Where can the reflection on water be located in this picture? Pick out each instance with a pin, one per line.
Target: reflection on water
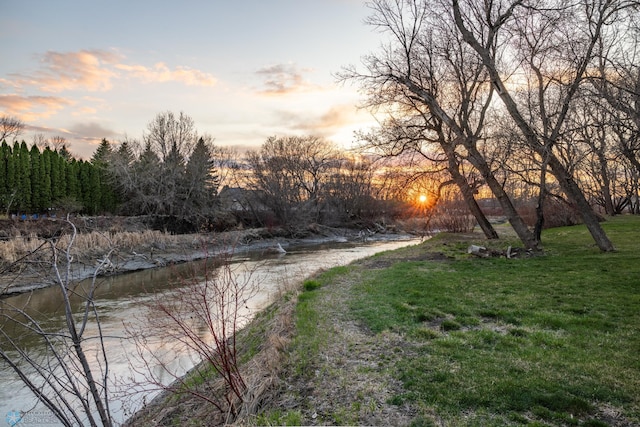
(121, 300)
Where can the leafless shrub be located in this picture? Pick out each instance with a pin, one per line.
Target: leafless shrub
(199, 318)
(451, 216)
(71, 377)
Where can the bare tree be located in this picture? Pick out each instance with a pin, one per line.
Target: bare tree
(429, 74)
(617, 83)
(137, 179)
(64, 380)
(552, 59)
(412, 137)
(596, 137)
(289, 173)
(225, 162)
(171, 135)
(350, 193)
(10, 127)
(59, 143)
(40, 141)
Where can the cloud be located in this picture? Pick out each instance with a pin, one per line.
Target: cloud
(282, 79)
(9, 83)
(84, 70)
(334, 119)
(42, 129)
(161, 73)
(29, 108)
(91, 131)
(98, 71)
(337, 117)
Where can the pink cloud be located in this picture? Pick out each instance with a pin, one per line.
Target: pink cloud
(97, 71)
(337, 116)
(30, 108)
(91, 131)
(85, 70)
(160, 72)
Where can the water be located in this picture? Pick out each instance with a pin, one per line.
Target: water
(121, 300)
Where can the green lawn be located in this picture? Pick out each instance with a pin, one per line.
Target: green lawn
(548, 340)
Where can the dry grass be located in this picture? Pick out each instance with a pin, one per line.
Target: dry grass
(261, 374)
(93, 243)
(16, 248)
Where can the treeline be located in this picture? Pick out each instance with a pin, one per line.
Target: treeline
(187, 183)
(34, 181)
(174, 175)
(170, 174)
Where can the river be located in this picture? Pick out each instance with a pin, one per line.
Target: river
(121, 300)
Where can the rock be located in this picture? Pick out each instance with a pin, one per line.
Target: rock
(476, 250)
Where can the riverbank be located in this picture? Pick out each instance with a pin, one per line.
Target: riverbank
(25, 255)
(430, 335)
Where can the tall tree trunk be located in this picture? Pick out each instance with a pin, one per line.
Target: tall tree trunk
(519, 226)
(478, 161)
(467, 194)
(589, 217)
(606, 184)
(542, 195)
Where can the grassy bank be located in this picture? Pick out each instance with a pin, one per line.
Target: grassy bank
(429, 335)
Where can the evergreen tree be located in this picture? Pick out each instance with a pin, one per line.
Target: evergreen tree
(102, 153)
(64, 153)
(172, 175)
(36, 179)
(13, 173)
(200, 185)
(24, 182)
(125, 153)
(92, 187)
(5, 152)
(84, 181)
(72, 175)
(145, 189)
(11, 190)
(45, 168)
(100, 161)
(59, 180)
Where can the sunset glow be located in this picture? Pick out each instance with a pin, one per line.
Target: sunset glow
(87, 73)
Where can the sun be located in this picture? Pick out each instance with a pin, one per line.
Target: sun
(422, 198)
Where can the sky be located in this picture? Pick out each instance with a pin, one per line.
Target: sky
(242, 70)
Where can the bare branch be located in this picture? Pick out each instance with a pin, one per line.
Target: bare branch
(10, 127)
(62, 378)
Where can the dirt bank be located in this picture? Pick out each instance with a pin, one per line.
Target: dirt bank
(25, 252)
